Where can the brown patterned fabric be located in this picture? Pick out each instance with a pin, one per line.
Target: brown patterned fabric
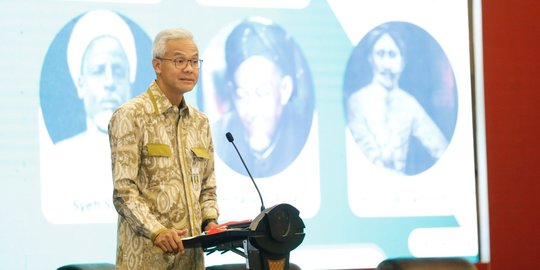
(163, 173)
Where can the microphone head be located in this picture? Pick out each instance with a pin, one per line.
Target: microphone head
(229, 137)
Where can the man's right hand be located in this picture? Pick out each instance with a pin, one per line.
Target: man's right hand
(170, 241)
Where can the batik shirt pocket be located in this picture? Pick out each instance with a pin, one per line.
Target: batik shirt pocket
(157, 160)
(158, 150)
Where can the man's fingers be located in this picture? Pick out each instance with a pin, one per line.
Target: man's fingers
(170, 241)
(166, 247)
(174, 247)
(180, 244)
(181, 232)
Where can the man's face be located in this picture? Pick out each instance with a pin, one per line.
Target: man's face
(387, 62)
(258, 99)
(104, 82)
(178, 80)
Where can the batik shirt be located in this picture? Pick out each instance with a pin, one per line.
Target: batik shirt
(163, 173)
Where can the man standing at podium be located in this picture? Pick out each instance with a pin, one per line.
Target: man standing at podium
(163, 164)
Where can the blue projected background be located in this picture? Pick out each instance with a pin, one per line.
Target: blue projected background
(409, 191)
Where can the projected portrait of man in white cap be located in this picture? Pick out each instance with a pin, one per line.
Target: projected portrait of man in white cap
(101, 58)
(102, 62)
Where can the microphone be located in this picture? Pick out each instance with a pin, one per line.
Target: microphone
(231, 140)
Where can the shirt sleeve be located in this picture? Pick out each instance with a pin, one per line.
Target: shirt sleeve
(208, 197)
(125, 137)
(429, 134)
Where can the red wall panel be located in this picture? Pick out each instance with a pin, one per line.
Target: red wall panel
(511, 38)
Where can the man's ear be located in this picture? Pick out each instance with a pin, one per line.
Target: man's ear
(286, 88)
(80, 87)
(156, 63)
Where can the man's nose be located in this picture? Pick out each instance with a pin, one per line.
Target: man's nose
(110, 79)
(386, 60)
(188, 68)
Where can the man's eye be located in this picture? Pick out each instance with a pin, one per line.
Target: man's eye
(180, 61)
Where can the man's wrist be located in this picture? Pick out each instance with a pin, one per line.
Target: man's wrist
(207, 221)
(156, 233)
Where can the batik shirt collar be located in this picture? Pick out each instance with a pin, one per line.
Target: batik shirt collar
(162, 104)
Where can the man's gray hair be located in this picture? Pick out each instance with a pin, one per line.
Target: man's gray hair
(159, 47)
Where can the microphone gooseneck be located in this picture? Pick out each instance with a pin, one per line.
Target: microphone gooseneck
(230, 138)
